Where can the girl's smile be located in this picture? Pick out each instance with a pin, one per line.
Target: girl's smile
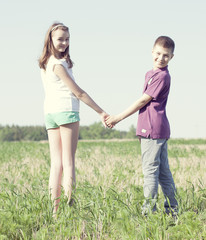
(60, 39)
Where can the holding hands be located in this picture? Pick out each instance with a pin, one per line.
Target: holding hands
(108, 120)
(111, 121)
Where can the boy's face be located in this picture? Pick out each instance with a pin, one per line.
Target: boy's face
(161, 56)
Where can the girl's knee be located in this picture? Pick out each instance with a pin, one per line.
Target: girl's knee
(57, 166)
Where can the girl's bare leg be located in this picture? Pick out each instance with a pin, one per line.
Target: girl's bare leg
(55, 146)
(69, 137)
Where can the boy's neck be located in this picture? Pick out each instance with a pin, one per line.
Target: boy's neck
(155, 68)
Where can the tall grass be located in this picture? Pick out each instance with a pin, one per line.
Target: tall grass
(108, 197)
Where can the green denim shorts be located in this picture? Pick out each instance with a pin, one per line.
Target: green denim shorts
(54, 120)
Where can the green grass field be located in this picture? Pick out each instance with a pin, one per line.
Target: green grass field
(108, 197)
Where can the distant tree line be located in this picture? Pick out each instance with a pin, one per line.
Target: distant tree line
(39, 133)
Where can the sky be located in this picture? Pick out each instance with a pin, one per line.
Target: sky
(111, 44)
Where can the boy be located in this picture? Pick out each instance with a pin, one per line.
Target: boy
(153, 128)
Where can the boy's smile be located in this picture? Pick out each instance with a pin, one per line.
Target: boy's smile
(161, 56)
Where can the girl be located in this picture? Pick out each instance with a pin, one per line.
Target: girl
(61, 109)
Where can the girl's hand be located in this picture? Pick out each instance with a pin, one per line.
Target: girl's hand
(104, 115)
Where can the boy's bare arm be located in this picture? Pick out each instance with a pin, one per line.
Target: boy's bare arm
(136, 106)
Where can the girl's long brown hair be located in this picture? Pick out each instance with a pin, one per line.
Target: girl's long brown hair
(49, 49)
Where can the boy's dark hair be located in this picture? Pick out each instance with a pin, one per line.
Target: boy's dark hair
(165, 42)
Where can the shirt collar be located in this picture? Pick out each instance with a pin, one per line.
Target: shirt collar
(159, 69)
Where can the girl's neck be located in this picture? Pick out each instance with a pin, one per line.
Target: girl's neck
(58, 55)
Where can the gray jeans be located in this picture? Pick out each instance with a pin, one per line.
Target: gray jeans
(156, 170)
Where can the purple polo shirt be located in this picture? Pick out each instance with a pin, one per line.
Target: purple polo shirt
(152, 119)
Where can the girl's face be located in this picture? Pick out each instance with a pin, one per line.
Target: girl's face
(60, 39)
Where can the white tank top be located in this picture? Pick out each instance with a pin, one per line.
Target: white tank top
(58, 97)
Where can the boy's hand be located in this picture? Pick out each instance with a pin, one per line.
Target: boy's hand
(111, 121)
